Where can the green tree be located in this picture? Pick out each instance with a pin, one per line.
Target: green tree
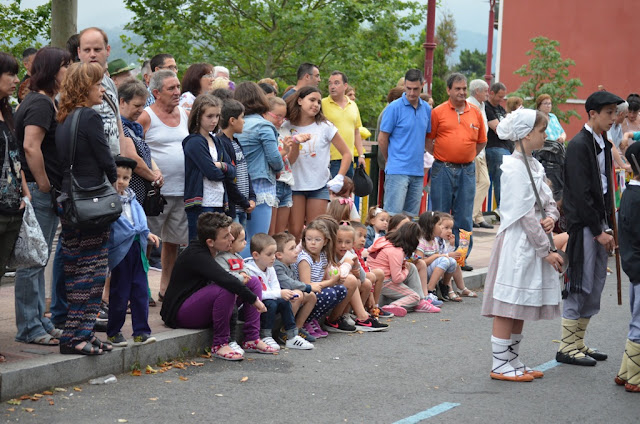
(446, 34)
(472, 64)
(270, 38)
(548, 73)
(21, 28)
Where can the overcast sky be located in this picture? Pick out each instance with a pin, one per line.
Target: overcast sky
(471, 15)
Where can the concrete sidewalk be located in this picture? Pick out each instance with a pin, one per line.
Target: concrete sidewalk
(31, 368)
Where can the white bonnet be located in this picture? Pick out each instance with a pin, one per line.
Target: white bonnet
(517, 125)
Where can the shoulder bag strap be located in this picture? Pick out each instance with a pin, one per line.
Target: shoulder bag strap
(74, 136)
(112, 105)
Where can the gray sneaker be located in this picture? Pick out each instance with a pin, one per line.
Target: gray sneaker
(143, 339)
(118, 340)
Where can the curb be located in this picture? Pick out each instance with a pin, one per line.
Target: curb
(57, 370)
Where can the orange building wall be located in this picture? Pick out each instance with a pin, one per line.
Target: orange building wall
(595, 34)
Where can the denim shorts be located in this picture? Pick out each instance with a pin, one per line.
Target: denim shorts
(284, 197)
(321, 193)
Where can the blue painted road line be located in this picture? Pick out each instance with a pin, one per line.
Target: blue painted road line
(431, 412)
(547, 365)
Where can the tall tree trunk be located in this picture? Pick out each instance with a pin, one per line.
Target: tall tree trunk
(64, 21)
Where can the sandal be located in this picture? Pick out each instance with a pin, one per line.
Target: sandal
(88, 349)
(46, 340)
(56, 333)
(160, 297)
(454, 297)
(252, 346)
(465, 292)
(105, 346)
(229, 356)
(152, 303)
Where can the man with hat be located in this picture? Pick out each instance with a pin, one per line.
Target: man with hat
(119, 71)
(587, 203)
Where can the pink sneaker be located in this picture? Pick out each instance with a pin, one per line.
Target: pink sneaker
(311, 329)
(425, 306)
(396, 310)
(319, 331)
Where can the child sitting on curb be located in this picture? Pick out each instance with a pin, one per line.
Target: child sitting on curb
(263, 255)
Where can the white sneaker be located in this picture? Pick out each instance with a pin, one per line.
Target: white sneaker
(272, 343)
(299, 343)
(236, 348)
(348, 319)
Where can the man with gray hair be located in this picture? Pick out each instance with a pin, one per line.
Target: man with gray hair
(479, 91)
(457, 136)
(164, 125)
(615, 134)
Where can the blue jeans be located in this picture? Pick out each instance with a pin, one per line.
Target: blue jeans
(192, 218)
(59, 303)
(29, 285)
(334, 168)
(402, 193)
(494, 160)
(452, 191)
(259, 223)
(275, 306)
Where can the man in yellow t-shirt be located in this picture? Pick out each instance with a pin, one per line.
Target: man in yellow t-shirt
(344, 114)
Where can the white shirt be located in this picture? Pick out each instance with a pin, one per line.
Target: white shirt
(600, 157)
(212, 191)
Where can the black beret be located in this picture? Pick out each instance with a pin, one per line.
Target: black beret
(125, 162)
(601, 98)
(633, 149)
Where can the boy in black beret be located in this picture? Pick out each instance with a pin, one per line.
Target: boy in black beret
(128, 264)
(629, 232)
(587, 201)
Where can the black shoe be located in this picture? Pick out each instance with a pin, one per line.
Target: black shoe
(100, 327)
(339, 326)
(483, 224)
(466, 268)
(572, 360)
(598, 356)
(476, 225)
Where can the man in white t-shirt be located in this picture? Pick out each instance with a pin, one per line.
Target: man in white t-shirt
(165, 127)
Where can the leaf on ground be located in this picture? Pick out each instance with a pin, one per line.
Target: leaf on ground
(25, 397)
(77, 389)
(179, 365)
(47, 392)
(445, 319)
(150, 370)
(60, 389)
(413, 320)
(38, 395)
(51, 402)
(14, 402)
(360, 332)
(197, 364)
(28, 409)
(243, 379)
(183, 378)
(219, 394)
(250, 359)
(35, 399)
(206, 355)
(153, 399)
(555, 341)
(167, 381)
(122, 420)
(136, 373)
(11, 409)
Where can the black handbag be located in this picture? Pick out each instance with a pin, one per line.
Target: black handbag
(154, 202)
(88, 207)
(362, 184)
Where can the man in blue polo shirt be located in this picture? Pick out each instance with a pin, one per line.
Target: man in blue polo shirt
(405, 124)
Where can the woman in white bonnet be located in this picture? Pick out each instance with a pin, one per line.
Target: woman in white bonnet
(522, 281)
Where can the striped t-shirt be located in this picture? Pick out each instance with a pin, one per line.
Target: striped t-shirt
(242, 172)
(317, 268)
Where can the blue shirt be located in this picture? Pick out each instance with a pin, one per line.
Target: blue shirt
(407, 127)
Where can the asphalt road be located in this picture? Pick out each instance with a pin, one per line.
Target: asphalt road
(427, 366)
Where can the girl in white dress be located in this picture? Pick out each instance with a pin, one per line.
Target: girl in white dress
(522, 281)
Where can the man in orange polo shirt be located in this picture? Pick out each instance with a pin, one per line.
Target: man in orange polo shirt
(457, 135)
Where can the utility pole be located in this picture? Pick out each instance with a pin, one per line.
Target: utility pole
(487, 75)
(64, 21)
(429, 44)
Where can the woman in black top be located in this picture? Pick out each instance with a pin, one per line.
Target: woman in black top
(13, 185)
(84, 252)
(35, 129)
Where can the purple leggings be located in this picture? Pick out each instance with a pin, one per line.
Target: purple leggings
(213, 305)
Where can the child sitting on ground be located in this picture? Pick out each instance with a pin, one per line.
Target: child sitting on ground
(128, 238)
(377, 223)
(277, 300)
(376, 276)
(286, 255)
(345, 198)
(437, 264)
(402, 282)
(446, 249)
